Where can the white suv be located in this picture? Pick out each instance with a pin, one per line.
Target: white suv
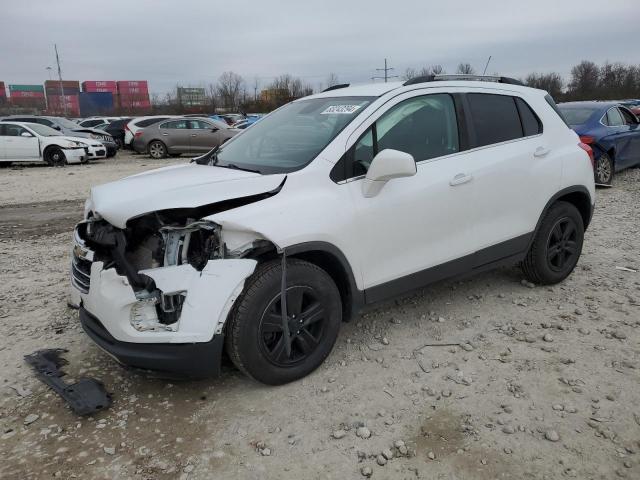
(348, 197)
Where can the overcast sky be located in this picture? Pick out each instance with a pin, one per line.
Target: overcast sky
(191, 42)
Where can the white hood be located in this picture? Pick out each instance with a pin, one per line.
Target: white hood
(180, 186)
(87, 141)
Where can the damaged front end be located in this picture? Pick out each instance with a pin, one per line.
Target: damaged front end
(164, 279)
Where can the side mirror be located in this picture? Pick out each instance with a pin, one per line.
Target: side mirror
(386, 165)
(214, 129)
(58, 128)
(26, 134)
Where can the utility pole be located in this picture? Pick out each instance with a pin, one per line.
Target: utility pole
(386, 71)
(486, 66)
(62, 99)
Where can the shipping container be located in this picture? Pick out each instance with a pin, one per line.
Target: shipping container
(56, 106)
(65, 90)
(132, 83)
(26, 88)
(99, 86)
(65, 83)
(96, 103)
(31, 103)
(26, 94)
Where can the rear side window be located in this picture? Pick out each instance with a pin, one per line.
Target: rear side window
(495, 118)
(149, 121)
(531, 124)
(613, 118)
(176, 124)
(549, 99)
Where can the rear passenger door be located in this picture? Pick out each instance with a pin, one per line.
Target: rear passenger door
(515, 170)
(176, 136)
(632, 137)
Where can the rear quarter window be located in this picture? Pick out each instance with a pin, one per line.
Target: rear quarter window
(531, 124)
(495, 118)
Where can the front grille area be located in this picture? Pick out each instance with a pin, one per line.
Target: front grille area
(100, 152)
(81, 260)
(81, 273)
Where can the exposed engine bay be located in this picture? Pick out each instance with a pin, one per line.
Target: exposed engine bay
(152, 241)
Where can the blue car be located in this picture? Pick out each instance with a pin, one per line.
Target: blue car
(611, 130)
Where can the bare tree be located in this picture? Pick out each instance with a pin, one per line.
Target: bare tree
(332, 80)
(551, 82)
(230, 88)
(584, 81)
(465, 69)
(436, 69)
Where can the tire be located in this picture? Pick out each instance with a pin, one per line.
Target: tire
(255, 337)
(119, 143)
(54, 156)
(157, 149)
(603, 170)
(556, 247)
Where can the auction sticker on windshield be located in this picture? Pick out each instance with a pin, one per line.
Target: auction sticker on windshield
(337, 109)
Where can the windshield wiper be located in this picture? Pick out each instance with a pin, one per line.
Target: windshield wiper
(233, 166)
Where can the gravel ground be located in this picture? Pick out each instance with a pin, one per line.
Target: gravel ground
(485, 378)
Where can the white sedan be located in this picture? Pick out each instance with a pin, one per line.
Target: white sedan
(32, 142)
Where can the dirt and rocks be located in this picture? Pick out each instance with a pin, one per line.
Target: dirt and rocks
(486, 378)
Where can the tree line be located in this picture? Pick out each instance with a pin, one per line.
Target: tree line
(587, 81)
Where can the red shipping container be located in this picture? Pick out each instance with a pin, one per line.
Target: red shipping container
(133, 91)
(132, 83)
(99, 86)
(26, 94)
(72, 103)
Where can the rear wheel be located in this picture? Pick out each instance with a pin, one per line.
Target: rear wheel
(119, 142)
(557, 245)
(603, 171)
(54, 156)
(157, 149)
(264, 348)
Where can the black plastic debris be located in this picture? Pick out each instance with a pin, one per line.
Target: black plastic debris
(85, 397)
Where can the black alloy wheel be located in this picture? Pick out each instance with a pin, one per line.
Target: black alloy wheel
(304, 328)
(562, 247)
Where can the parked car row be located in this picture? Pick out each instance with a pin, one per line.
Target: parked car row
(17, 129)
(611, 129)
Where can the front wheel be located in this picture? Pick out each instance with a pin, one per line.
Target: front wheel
(273, 352)
(603, 172)
(54, 156)
(556, 247)
(157, 149)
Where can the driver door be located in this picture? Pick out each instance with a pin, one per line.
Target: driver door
(416, 229)
(20, 144)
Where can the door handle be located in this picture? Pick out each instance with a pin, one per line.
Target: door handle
(165, 134)
(460, 179)
(541, 152)
(194, 135)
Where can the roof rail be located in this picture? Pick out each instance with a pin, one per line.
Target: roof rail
(336, 87)
(480, 78)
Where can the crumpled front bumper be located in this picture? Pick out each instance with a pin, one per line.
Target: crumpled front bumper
(110, 311)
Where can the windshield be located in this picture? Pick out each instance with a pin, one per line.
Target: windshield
(577, 115)
(44, 130)
(292, 136)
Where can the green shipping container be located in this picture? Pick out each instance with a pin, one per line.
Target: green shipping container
(26, 88)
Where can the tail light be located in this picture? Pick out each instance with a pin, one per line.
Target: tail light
(587, 139)
(583, 145)
(139, 134)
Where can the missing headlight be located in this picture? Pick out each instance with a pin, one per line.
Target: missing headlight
(195, 244)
